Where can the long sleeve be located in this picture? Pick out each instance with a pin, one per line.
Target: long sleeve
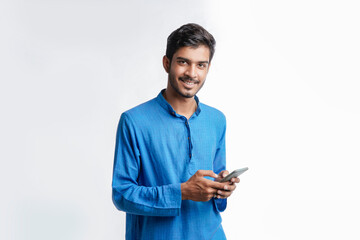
(128, 195)
(156, 150)
(220, 165)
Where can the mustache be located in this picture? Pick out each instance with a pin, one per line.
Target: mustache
(189, 79)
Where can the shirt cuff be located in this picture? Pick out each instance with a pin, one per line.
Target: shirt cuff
(220, 204)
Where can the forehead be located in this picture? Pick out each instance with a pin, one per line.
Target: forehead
(196, 54)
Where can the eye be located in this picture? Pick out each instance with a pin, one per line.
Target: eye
(181, 62)
(202, 65)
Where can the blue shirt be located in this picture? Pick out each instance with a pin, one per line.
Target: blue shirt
(157, 150)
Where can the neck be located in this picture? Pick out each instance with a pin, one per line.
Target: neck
(183, 106)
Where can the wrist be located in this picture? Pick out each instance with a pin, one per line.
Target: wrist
(183, 187)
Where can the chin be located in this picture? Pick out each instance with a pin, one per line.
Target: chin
(187, 94)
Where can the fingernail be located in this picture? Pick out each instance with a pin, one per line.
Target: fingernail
(216, 175)
(225, 187)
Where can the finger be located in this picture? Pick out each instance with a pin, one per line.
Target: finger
(223, 194)
(216, 185)
(235, 180)
(230, 187)
(208, 173)
(224, 173)
(212, 194)
(210, 191)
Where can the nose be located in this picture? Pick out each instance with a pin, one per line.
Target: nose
(191, 71)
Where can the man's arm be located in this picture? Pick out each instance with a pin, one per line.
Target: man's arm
(219, 168)
(128, 196)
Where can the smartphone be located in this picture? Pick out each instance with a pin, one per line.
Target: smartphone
(235, 173)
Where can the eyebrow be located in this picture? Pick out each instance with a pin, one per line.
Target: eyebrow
(188, 60)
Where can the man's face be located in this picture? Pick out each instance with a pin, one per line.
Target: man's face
(188, 70)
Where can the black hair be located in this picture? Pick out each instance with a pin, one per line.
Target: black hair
(189, 35)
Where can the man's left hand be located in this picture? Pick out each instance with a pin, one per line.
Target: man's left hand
(229, 187)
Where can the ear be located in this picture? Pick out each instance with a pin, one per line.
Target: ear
(166, 64)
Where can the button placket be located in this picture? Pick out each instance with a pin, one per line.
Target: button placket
(189, 138)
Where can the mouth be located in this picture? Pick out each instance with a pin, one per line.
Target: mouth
(189, 82)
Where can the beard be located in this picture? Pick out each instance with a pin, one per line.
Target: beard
(174, 84)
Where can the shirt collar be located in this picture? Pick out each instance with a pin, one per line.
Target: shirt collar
(162, 101)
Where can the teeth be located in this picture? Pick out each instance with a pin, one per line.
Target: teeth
(188, 82)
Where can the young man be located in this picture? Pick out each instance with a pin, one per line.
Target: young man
(170, 149)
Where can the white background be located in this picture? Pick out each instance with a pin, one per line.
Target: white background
(285, 73)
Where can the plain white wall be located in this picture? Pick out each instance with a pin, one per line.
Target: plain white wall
(285, 73)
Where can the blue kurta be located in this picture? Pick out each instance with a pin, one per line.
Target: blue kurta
(157, 150)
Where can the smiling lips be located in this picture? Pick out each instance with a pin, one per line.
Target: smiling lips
(189, 81)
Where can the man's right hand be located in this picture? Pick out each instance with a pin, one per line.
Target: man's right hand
(198, 188)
